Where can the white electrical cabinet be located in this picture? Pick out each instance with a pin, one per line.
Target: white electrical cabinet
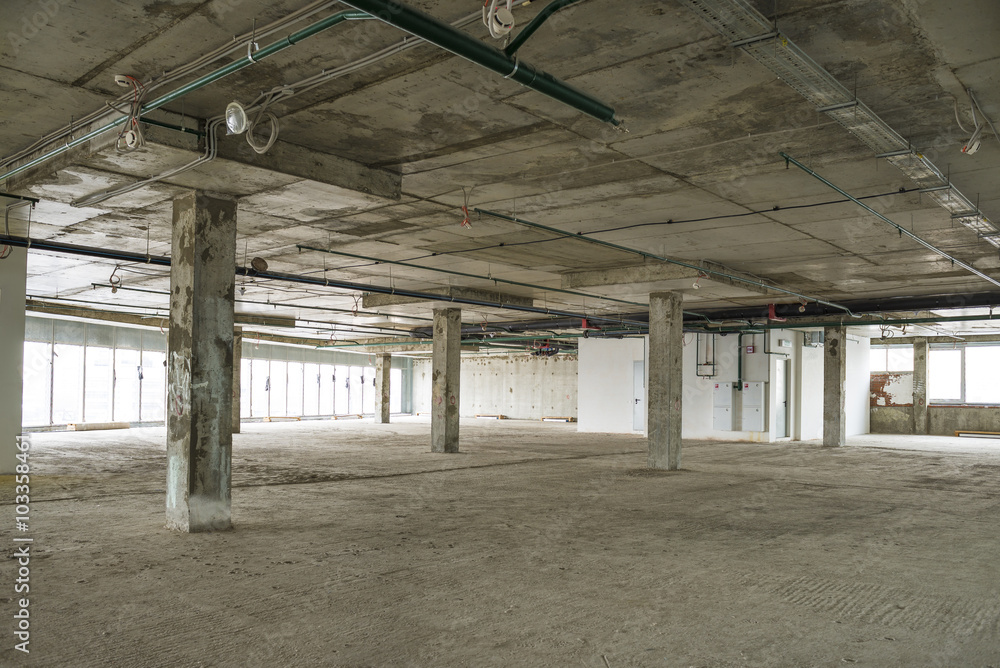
(754, 405)
(723, 407)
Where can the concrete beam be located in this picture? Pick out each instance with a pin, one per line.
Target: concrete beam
(834, 386)
(383, 363)
(657, 272)
(665, 384)
(373, 300)
(300, 162)
(200, 363)
(920, 350)
(446, 375)
(13, 274)
(642, 273)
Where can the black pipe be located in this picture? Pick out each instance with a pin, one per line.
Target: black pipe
(163, 261)
(874, 305)
(535, 24)
(461, 44)
(33, 200)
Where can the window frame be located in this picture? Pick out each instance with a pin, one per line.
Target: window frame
(961, 347)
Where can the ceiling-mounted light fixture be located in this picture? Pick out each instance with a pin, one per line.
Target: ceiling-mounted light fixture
(236, 119)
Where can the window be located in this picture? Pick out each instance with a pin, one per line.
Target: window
(37, 394)
(891, 358)
(982, 366)
(964, 373)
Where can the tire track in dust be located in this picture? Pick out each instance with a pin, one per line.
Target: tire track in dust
(876, 604)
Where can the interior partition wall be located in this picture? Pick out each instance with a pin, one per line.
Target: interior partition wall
(76, 371)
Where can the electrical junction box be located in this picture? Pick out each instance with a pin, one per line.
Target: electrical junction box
(722, 407)
(754, 405)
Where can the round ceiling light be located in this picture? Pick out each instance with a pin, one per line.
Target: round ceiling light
(236, 119)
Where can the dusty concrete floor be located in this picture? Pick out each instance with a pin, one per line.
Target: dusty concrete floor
(537, 546)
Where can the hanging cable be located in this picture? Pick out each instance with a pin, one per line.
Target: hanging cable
(130, 137)
(498, 20)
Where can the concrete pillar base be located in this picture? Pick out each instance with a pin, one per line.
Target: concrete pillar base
(445, 377)
(383, 364)
(13, 273)
(834, 386)
(200, 364)
(665, 388)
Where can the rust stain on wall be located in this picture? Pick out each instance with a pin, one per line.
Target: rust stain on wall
(891, 389)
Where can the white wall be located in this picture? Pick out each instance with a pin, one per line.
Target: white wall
(699, 392)
(520, 387)
(605, 383)
(810, 413)
(858, 390)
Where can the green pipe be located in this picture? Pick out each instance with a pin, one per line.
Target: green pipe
(536, 23)
(466, 46)
(902, 230)
(462, 273)
(201, 82)
(652, 256)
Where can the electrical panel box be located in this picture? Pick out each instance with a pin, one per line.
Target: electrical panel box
(754, 406)
(723, 405)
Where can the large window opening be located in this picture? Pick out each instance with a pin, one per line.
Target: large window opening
(92, 372)
(964, 373)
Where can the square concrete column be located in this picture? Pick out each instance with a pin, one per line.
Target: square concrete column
(200, 363)
(237, 375)
(445, 376)
(920, 386)
(666, 356)
(383, 363)
(834, 384)
(13, 273)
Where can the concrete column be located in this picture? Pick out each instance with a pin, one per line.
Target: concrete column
(237, 371)
(920, 386)
(834, 383)
(666, 356)
(445, 376)
(13, 273)
(200, 363)
(383, 363)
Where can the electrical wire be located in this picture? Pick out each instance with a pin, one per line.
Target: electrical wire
(131, 130)
(237, 44)
(982, 113)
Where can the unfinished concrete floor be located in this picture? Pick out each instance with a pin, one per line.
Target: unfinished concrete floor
(536, 546)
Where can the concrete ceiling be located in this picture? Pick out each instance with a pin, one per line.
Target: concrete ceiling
(374, 163)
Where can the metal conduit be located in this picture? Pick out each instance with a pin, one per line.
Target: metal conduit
(902, 230)
(652, 256)
(402, 263)
(252, 57)
(163, 261)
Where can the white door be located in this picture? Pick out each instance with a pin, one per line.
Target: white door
(638, 395)
(781, 382)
